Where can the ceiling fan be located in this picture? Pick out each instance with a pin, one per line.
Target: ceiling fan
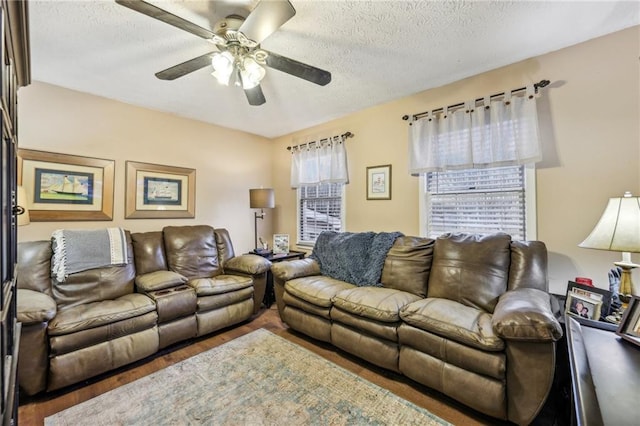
(238, 58)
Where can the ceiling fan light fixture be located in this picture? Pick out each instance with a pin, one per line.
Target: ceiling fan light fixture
(252, 73)
(222, 64)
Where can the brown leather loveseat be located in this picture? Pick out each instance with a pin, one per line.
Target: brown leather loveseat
(179, 283)
(467, 315)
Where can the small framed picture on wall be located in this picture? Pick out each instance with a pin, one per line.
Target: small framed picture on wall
(379, 182)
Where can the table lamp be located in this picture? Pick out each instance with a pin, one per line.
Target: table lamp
(619, 230)
(262, 198)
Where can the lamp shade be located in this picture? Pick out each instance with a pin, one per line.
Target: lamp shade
(618, 228)
(21, 201)
(262, 198)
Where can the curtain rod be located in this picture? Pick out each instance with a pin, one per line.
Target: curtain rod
(344, 135)
(542, 83)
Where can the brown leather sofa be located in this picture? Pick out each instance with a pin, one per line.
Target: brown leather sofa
(467, 315)
(183, 282)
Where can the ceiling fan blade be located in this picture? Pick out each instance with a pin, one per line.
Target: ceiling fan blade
(255, 96)
(298, 69)
(266, 18)
(164, 16)
(185, 68)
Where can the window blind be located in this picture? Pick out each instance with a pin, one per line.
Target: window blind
(477, 200)
(320, 209)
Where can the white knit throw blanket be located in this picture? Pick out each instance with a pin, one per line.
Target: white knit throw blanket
(80, 250)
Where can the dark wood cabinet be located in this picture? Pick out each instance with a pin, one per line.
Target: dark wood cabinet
(14, 73)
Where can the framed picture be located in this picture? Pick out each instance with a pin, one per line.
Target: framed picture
(61, 187)
(154, 191)
(593, 293)
(280, 243)
(583, 306)
(379, 182)
(629, 328)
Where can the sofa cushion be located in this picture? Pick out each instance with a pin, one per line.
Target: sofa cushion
(528, 265)
(219, 284)
(148, 250)
(192, 251)
(159, 280)
(408, 264)
(377, 303)
(460, 323)
(96, 314)
(317, 290)
(470, 269)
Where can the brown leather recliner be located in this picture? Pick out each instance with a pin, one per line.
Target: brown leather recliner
(467, 315)
(179, 283)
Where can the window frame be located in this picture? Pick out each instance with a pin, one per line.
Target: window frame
(309, 243)
(531, 228)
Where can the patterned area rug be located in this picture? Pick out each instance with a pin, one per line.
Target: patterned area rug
(256, 379)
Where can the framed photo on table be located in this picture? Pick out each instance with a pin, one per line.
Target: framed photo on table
(629, 328)
(583, 306)
(280, 243)
(62, 187)
(590, 292)
(379, 182)
(154, 191)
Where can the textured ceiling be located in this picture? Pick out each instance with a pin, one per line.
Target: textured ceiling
(377, 51)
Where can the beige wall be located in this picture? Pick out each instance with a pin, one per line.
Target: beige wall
(589, 119)
(227, 162)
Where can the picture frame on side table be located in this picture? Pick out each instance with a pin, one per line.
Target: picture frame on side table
(63, 187)
(154, 191)
(280, 243)
(379, 182)
(629, 328)
(593, 293)
(583, 306)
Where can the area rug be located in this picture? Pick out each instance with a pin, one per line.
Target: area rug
(256, 379)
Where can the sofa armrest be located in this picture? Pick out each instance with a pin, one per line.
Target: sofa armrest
(34, 307)
(248, 264)
(285, 271)
(525, 315)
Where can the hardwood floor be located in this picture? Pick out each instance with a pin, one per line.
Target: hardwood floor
(33, 410)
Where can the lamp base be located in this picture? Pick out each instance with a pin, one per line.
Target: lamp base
(627, 288)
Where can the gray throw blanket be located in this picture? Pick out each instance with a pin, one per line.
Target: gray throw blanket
(80, 250)
(357, 258)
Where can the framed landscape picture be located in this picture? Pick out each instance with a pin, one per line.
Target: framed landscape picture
(61, 187)
(157, 191)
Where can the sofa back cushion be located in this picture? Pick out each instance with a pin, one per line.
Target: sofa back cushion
(470, 269)
(528, 265)
(34, 266)
(148, 249)
(408, 264)
(192, 251)
(225, 248)
(95, 285)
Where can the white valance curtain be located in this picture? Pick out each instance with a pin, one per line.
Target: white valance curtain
(323, 161)
(491, 133)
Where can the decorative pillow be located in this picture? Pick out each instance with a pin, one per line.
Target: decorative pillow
(159, 280)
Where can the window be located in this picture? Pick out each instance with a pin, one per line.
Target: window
(320, 208)
(479, 201)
